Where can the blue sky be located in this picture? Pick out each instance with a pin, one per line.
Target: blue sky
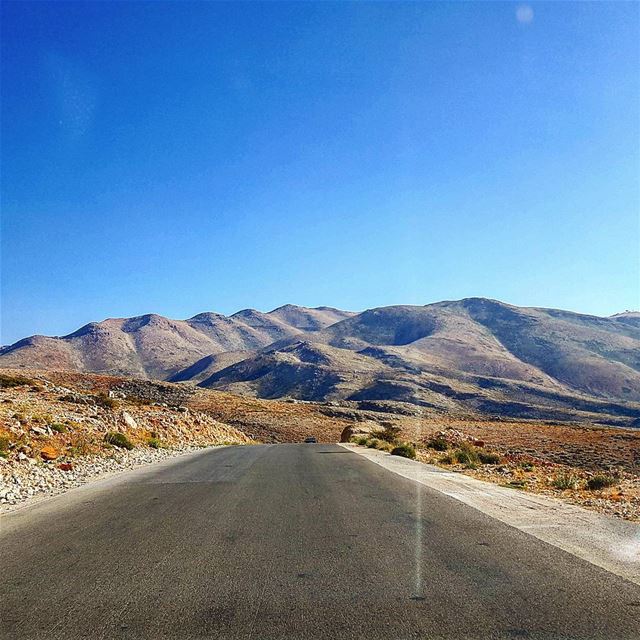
(182, 157)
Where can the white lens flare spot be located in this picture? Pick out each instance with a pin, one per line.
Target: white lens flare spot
(524, 14)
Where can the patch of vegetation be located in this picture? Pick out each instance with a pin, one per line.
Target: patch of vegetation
(488, 457)
(155, 443)
(4, 443)
(361, 440)
(601, 481)
(4, 454)
(389, 433)
(404, 450)
(81, 447)
(373, 443)
(7, 381)
(566, 480)
(437, 444)
(516, 484)
(102, 399)
(139, 401)
(58, 427)
(119, 440)
(467, 455)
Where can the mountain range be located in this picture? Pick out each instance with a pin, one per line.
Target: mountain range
(472, 356)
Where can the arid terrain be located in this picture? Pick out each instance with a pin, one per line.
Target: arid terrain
(473, 357)
(54, 422)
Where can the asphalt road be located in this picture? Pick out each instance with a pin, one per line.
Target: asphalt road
(290, 541)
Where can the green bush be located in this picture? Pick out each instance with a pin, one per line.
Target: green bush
(119, 440)
(565, 480)
(389, 433)
(154, 443)
(405, 450)
(4, 443)
(447, 458)
(438, 444)
(467, 455)
(57, 427)
(373, 443)
(488, 457)
(361, 440)
(601, 481)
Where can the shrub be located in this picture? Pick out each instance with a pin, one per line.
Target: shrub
(405, 450)
(488, 457)
(467, 455)
(565, 481)
(601, 481)
(4, 443)
(154, 443)
(389, 434)
(7, 380)
(57, 427)
(103, 400)
(373, 443)
(361, 440)
(447, 458)
(119, 440)
(438, 444)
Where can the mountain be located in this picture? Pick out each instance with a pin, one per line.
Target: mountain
(475, 356)
(152, 346)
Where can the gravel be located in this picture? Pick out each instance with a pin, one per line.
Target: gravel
(29, 479)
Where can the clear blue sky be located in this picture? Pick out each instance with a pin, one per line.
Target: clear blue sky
(179, 157)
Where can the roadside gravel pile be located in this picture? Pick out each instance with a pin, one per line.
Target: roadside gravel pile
(21, 481)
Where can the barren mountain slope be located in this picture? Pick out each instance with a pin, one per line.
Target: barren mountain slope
(458, 356)
(472, 355)
(157, 347)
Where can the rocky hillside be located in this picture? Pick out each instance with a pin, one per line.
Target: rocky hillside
(467, 357)
(155, 347)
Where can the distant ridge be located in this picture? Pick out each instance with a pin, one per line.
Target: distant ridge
(476, 355)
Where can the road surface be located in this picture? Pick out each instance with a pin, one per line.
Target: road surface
(290, 541)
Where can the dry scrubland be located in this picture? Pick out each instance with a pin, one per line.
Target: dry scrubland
(60, 429)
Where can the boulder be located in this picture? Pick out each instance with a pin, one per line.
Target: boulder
(129, 421)
(49, 453)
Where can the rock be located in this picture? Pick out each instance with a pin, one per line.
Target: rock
(49, 453)
(65, 466)
(129, 421)
(39, 431)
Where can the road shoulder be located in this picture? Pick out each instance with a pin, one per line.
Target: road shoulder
(604, 541)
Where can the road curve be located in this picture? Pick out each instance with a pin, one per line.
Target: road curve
(290, 541)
